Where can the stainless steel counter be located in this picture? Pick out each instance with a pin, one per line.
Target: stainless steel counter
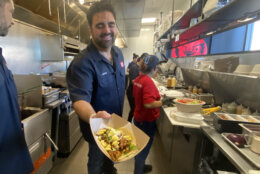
(180, 142)
(174, 122)
(234, 157)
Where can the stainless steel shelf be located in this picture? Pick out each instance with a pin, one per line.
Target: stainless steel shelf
(184, 21)
(224, 18)
(235, 158)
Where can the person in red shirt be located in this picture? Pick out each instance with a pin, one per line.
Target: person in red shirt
(147, 103)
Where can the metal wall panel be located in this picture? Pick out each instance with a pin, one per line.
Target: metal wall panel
(29, 89)
(197, 77)
(227, 87)
(230, 87)
(22, 51)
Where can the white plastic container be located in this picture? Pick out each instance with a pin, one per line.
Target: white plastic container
(192, 118)
(190, 108)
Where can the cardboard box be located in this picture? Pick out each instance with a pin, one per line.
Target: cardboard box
(139, 138)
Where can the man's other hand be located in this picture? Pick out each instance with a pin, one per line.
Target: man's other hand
(102, 114)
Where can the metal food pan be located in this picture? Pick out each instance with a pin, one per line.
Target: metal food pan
(224, 122)
(50, 98)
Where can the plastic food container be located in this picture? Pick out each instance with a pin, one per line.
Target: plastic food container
(189, 105)
(192, 118)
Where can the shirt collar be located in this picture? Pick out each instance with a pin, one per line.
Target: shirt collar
(100, 57)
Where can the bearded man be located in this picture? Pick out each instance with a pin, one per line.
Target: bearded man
(96, 81)
(14, 154)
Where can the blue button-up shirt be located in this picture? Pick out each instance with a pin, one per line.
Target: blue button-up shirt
(14, 154)
(92, 78)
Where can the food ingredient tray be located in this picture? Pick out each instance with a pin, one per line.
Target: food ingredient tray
(224, 122)
(254, 158)
(53, 96)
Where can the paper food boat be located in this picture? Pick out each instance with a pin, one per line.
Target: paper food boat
(139, 138)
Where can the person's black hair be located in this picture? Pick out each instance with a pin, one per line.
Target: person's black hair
(135, 56)
(142, 56)
(97, 7)
(149, 63)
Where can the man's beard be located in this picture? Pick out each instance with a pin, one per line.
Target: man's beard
(105, 44)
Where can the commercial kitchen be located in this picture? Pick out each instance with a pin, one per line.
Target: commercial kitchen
(208, 49)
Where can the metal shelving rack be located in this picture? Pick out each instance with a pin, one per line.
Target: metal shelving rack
(229, 16)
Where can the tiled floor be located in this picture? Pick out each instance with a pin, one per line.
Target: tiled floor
(76, 163)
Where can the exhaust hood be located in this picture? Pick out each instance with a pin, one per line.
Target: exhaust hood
(68, 17)
(57, 16)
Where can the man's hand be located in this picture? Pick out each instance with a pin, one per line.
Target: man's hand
(85, 111)
(102, 114)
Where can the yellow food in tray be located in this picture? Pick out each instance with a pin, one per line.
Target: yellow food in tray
(115, 142)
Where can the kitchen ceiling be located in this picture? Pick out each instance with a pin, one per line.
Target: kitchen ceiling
(70, 14)
(131, 12)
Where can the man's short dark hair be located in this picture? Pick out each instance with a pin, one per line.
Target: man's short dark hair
(3, 2)
(135, 56)
(97, 7)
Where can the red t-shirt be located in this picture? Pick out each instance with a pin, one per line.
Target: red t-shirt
(144, 92)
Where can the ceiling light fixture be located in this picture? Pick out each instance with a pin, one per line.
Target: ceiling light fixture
(148, 20)
(81, 1)
(210, 33)
(145, 29)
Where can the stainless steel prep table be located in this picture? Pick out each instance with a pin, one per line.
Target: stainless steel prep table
(181, 142)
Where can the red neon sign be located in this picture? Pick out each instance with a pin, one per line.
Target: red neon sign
(195, 48)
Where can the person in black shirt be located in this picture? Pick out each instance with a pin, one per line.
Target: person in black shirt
(135, 57)
(96, 81)
(14, 154)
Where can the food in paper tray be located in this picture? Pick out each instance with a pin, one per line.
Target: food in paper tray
(115, 142)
